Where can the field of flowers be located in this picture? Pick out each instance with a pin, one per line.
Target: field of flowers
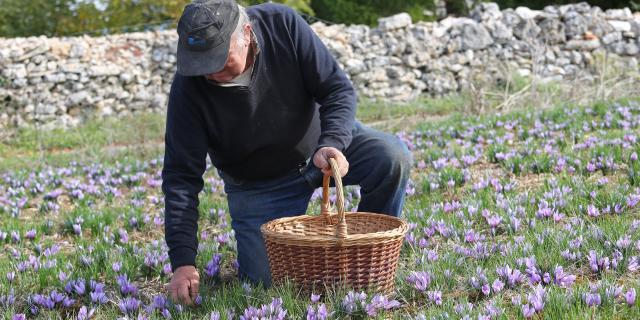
(526, 215)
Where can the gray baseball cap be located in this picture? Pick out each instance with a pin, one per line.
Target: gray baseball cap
(204, 35)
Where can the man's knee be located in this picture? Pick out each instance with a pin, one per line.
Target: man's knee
(397, 157)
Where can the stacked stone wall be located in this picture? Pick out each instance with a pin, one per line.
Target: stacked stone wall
(61, 81)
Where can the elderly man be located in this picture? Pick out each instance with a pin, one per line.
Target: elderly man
(259, 93)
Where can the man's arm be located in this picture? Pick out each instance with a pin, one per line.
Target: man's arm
(184, 164)
(327, 83)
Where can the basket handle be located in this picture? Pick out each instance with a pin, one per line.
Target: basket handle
(341, 230)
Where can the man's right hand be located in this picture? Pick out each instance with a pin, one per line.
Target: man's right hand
(183, 288)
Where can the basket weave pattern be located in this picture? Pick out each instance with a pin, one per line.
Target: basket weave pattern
(358, 249)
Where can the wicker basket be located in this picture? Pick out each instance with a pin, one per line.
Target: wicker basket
(358, 250)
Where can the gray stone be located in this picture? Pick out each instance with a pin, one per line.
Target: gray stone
(526, 13)
(621, 26)
(486, 11)
(475, 36)
(631, 49)
(611, 38)
(635, 28)
(77, 50)
(619, 14)
(500, 32)
(397, 21)
(527, 30)
(554, 32)
(45, 108)
(77, 98)
(101, 71)
(72, 68)
(38, 50)
(575, 25)
(587, 45)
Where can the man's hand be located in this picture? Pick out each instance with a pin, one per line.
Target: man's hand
(321, 160)
(183, 288)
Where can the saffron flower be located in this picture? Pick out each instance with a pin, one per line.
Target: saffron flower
(420, 280)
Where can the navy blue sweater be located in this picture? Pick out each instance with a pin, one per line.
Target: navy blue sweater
(298, 100)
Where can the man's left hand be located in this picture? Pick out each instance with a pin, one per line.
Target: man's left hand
(321, 160)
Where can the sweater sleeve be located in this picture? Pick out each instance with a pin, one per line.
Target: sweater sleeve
(184, 164)
(327, 83)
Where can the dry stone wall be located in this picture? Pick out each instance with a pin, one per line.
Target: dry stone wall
(61, 81)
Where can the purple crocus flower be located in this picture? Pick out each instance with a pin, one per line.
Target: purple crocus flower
(79, 286)
(98, 297)
(57, 297)
(592, 211)
(598, 264)
(129, 305)
(273, 311)
(77, 229)
(630, 296)
(318, 312)
(511, 276)
(435, 297)
(19, 316)
(634, 264)
(562, 279)
(126, 287)
(592, 299)
(420, 280)
(83, 314)
(353, 301)
(497, 285)
(380, 302)
(68, 302)
(215, 315)
(486, 289)
(528, 311)
(537, 298)
(124, 236)
(494, 221)
(31, 234)
(213, 266)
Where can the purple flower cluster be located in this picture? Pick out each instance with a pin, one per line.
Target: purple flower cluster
(535, 302)
(129, 305)
(213, 266)
(272, 311)
(512, 277)
(354, 301)
(126, 288)
(420, 280)
(51, 301)
(317, 310)
(160, 304)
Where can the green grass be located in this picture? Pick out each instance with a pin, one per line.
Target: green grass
(439, 128)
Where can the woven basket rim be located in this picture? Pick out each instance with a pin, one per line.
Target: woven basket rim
(322, 240)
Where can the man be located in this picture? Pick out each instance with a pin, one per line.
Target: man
(246, 92)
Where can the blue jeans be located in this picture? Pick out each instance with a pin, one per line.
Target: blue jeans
(378, 162)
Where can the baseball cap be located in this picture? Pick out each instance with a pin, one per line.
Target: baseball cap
(204, 35)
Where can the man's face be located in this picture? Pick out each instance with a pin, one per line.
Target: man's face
(236, 61)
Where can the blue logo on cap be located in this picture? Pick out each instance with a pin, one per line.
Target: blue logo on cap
(196, 41)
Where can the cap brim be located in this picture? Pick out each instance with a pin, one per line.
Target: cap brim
(198, 63)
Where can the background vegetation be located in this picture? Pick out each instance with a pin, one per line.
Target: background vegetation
(95, 17)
